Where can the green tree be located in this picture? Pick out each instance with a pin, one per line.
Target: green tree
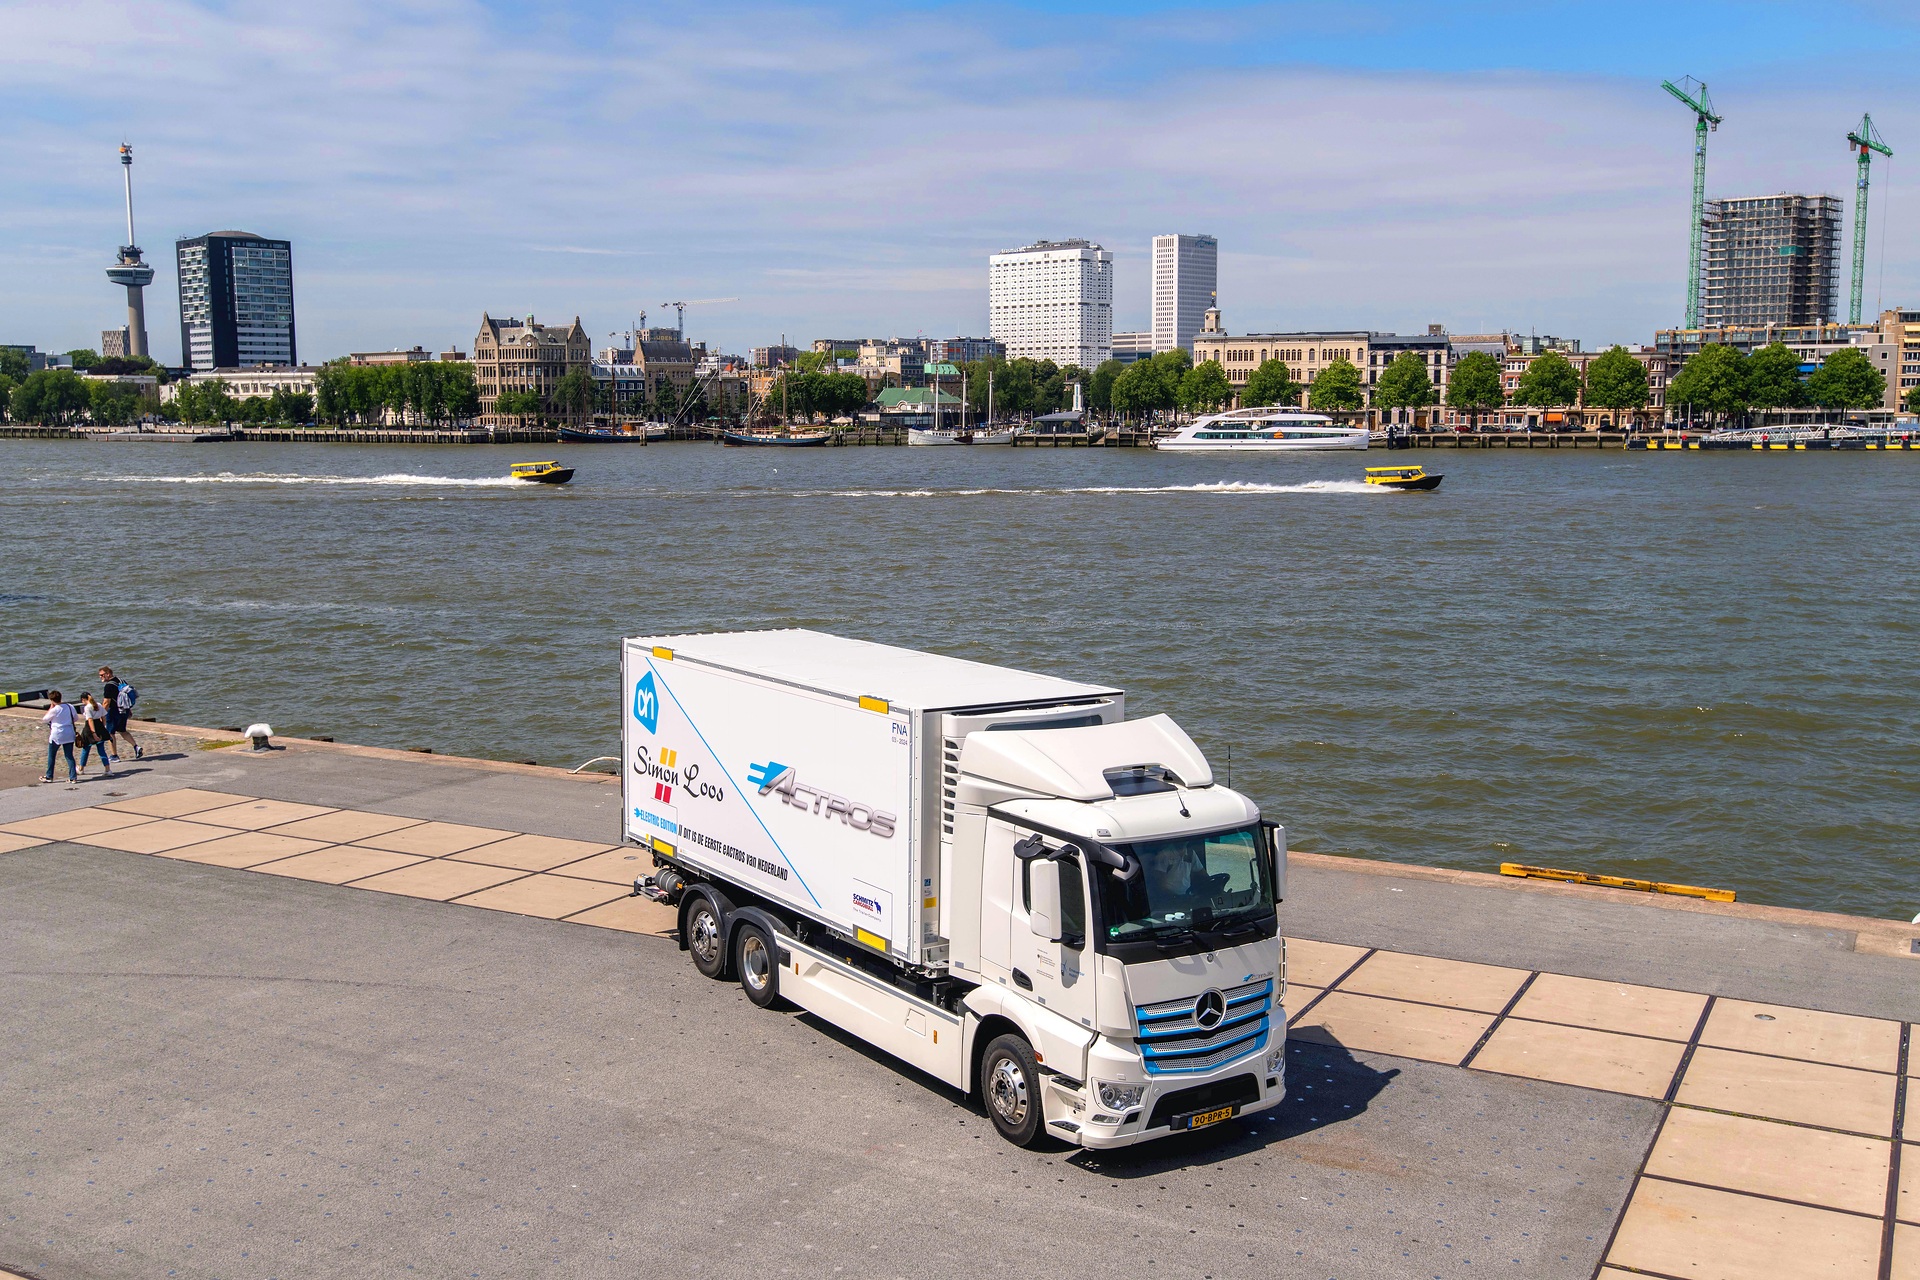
(1404, 384)
(813, 362)
(1204, 388)
(1616, 381)
(574, 393)
(1271, 383)
(127, 364)
(1337, 389)
(113, 403)
(6, 393)
(84, 358)
(51, 397)
(1550, 382)
(516, 403)
(1475, 385)
(1913, 399)
(13, 364)
(1772, 379)
(1847, 380)
(1100, 385)
(1713, 381)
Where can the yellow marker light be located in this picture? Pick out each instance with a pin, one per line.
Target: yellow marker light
(878, 705)
(662, 652)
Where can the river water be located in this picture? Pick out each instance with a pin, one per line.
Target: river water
(1694, 667)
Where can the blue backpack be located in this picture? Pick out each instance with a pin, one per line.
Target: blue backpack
(128, 696)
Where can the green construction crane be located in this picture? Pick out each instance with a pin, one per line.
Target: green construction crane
(1694, 94)
(1866, 140)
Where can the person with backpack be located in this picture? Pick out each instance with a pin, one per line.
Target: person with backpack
(118, 697)
(59, 722)
(91, 734)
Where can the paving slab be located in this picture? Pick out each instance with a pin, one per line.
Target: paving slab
(1378, 1025)
(434, 839)
(1592, 1059)
(531, 853)
(337, 864)
(1612, 1006)
(298, 1079)
(244, 849)
(1784, 1089)
(157, 836)
(1761, 1157)
(343, 826)
(632, 915)
(1673, 1229)
(1908, 1208)
(252, 815)
(1453, 983)
(176, 804)
(616, 866)
(438, 879)
(8, 843)
(1906, 1253)
(1319, 964)
(75, 824)
(548, 896)
(1839, 1039)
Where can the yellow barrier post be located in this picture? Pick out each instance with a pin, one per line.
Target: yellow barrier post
(1615, 882)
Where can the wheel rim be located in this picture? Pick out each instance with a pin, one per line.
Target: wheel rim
(705, 936)
(1007, 1091)
(755, 965)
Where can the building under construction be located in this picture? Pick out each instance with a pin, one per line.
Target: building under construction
(1770, 260)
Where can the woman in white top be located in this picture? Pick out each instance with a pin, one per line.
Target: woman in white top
(91, 732)
(59, 719)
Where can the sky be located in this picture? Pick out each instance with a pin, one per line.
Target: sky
(844, 171)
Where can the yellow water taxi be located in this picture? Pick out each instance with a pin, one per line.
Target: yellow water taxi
(542, 472)
(1414, 477)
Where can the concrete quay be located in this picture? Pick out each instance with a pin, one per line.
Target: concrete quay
(343, 1011)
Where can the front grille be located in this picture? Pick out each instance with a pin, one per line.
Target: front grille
(1171, 1043)
(1237, 1091)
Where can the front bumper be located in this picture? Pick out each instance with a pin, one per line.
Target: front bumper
(1074, 1114)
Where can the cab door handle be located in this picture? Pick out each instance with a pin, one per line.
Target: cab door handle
(1022, 981)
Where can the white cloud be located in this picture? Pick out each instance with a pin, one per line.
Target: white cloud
(435, 158)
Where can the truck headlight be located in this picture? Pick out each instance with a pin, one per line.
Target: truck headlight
(1120, 1097)
(1277, 1058)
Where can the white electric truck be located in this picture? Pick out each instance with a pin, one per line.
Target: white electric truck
(992, 875)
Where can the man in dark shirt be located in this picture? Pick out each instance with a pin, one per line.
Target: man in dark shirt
(116, 714)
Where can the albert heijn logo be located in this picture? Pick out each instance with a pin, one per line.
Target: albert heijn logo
(646, 704)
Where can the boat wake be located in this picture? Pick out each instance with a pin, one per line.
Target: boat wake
(400, 479)
(1215, 486)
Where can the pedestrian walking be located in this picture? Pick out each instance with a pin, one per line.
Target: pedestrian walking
(59, 722)
(91, 734)
(118, 697)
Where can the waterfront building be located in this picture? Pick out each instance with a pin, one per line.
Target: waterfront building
(1886, 345)
(1900, 336)
(35, 358)
(1186, 281)
(1305, 353)
(965, 350)
(394, 356)
(1052, 300)
(903, 361)
(1134, 344)
(146, 385)
(252, 383)
(524, 355)
(236, 301)
(113, 344)
(773, 357)
(913, 407)
(1770, 260)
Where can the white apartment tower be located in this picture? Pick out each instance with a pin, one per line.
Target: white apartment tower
(1052, 300)
(1186, 275)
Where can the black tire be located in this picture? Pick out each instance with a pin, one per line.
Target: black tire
(1010, 1089)
(758, 964)
(706, 936)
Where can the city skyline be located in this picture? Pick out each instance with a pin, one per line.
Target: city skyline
(1383, 169)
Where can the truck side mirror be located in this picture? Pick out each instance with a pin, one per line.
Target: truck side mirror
(1276, 857)
(1043, 911)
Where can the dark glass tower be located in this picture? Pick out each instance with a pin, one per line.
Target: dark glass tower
(236, 301)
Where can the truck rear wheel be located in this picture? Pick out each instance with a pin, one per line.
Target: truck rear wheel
(1010, 1088)
(706, 938)
(754, 960)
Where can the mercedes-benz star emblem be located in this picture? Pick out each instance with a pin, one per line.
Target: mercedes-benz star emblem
(1209, 1009)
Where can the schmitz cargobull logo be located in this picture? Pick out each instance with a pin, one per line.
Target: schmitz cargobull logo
(783, 780)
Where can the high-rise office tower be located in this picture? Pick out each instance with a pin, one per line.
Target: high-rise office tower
(1186, 275)
(131, 272)
(1052, 300)
(236, 301)
(1770, 260)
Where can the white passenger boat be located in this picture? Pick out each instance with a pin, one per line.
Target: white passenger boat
(954, 435)
(1265, 430)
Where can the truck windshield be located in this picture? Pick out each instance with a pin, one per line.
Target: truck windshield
(1213, 881)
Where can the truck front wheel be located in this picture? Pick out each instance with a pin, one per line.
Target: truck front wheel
(1010, 1088)
(753, 960)
(706, 939)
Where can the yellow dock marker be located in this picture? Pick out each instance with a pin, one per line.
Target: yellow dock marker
(1615, 882)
